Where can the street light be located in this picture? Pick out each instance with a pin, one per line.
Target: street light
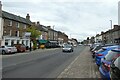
(111, 31)
(53, 32)
(111, 23)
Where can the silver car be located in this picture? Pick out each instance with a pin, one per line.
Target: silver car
(67, 48)
(8, 49)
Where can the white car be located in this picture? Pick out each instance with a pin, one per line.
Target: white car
(8, 49)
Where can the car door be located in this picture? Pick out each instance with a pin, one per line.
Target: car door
(116, 68)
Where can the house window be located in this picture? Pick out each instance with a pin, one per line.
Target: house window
(25, 26)
(6, 42)
(17, 25)
(17, 33)
(22, 41)
(12, 42)
(17, 41)
(10, 23)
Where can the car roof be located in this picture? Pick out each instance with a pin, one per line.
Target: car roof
(117, 49)
(111, 46)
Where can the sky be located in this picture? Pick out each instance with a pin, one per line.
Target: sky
(77, 18)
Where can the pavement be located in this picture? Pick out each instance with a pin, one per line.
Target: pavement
(82, 67)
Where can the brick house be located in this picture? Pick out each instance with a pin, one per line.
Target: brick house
(52, 34)
(43, 38)
(62, 38)
(15, 29)
(116, 34)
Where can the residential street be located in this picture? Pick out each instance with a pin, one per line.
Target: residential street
(49, 64)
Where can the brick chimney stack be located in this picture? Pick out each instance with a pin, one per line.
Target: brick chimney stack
(38, 23)
(0, 9)
(28, 17)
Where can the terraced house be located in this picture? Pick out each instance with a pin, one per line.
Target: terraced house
(15, 29)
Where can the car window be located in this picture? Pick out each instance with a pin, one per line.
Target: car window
(9, 46)
(111, 55)
(117, 63)
(101, 50)
(3, 46)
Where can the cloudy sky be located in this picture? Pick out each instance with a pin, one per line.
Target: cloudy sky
(77, 18)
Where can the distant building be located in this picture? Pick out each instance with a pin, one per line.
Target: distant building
(62, 38)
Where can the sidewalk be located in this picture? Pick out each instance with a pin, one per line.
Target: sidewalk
(82, 67)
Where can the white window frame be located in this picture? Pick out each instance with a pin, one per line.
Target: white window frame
(18, 33)
(10, 32)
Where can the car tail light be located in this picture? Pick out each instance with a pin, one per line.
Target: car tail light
(107, 66)
(99, 54)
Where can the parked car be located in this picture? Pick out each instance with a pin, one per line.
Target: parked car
(106, 61)
(115, 69)
(102, 52)
(8, 49)
(92, 46)
(67, 48)
(97, 47)
(20, 47)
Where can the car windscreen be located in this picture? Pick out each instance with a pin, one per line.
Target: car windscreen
(97, 47)
(67, 46)
(111, 55)
(101, 50)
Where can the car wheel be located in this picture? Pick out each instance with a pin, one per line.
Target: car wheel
(3, 52)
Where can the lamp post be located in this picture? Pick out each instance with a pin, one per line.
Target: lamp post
(111, 31)
(111, 23)
(53, 32)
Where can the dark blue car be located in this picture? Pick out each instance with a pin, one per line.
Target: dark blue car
(106, 61)
(102, 52)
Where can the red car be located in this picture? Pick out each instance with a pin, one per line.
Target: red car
(20, 47)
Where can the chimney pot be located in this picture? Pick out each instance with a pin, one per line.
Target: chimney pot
(28, 17)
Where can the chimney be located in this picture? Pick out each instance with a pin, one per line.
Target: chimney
(38, 23)
(116, 26)
(0, 9)
(28, 17)
(49, 27)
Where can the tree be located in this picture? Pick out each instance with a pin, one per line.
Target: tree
(34, 34)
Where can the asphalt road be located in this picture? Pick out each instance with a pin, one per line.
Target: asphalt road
(39, 64)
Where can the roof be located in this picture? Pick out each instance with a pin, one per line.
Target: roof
(115, 46)
(15, 17)
(42, 28)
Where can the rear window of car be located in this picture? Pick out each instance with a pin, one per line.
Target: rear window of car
(111, 55)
